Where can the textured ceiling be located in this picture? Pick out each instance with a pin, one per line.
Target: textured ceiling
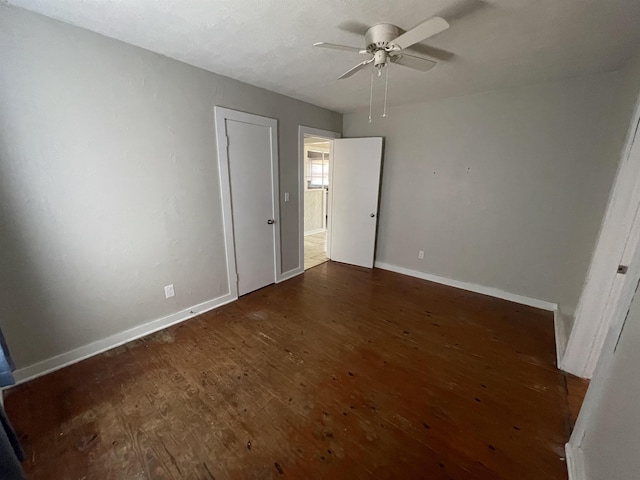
(268, 43)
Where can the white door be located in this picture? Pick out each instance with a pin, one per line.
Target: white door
(251, 174)
(354, 190)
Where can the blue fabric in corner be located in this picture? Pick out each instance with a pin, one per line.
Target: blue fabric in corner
(6, 364)
(11, 454)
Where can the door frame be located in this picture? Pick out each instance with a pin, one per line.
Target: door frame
(316, 132)
(222, 114)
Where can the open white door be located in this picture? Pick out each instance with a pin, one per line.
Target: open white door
(354, 190)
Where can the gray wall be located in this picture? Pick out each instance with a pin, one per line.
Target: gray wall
(629, 89)
(109, 184)
(502, 189)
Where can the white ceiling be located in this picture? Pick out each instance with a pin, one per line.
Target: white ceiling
(268, 43)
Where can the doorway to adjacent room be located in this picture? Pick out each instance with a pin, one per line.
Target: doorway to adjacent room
(317, 153)
(339, 186)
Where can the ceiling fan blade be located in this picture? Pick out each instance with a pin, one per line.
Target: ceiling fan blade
(333, 46)
(423, 31)
(355, 69)
(411, 61)
(429, 51)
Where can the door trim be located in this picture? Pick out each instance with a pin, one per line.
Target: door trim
(222, 114)
(302, 131)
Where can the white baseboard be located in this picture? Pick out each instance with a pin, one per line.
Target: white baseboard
(313, 232)
(290, 274)
(575, 462)
(73, 356)
(471, 287)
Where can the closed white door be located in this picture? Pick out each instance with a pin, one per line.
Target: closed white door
(252, 203)
(354, 190)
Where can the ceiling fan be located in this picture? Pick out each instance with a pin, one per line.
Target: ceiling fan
(386, 44)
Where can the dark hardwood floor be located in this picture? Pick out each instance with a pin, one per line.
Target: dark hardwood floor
(339, 373)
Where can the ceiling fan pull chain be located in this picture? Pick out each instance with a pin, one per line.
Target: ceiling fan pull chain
(371, 94)
(386, 85)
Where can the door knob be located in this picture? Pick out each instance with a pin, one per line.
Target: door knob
(372, 215)
(271, 221)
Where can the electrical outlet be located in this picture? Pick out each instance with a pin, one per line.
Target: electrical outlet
(420, 254)
(286, 196)
(169, 291)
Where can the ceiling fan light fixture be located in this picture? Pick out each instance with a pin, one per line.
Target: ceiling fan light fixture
(376, 70)
(380, 58)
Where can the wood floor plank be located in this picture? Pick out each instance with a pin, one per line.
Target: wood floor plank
(338, 373)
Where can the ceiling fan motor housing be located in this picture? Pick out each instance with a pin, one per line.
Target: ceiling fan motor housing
(378, 37)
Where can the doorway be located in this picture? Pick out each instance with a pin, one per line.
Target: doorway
(316, 162)
(314, 228)
(348, 210)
